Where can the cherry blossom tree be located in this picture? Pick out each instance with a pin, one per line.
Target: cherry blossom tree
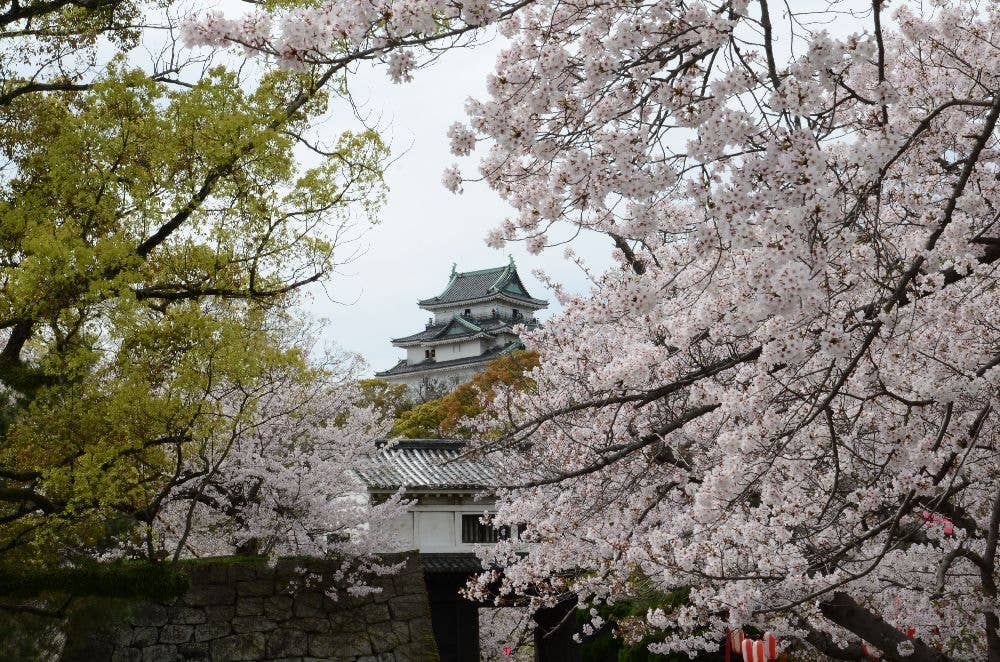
(793, 380)
(274, 475)
(784, 401)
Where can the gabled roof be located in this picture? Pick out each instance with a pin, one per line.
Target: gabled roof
(484, 284)
(461, 326)
(426, 464)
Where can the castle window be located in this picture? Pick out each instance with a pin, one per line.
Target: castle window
(468, 311)
(474, 531)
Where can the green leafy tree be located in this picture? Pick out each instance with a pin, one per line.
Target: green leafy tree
(442, 417)
(157, 228)
(387, 399)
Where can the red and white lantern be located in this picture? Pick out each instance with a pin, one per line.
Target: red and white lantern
(771, 646)
(736, 641)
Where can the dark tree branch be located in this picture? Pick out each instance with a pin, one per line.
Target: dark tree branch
(842, 609)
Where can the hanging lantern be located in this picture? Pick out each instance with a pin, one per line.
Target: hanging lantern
(736, 640)
(771, 645)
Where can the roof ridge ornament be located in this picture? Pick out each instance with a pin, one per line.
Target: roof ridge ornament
(505, 274)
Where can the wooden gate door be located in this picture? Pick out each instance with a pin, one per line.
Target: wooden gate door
(454, 619)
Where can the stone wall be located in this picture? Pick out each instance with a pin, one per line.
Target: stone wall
(250, 611)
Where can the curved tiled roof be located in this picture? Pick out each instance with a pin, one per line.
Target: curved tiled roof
(461, 326)
(484, 284)
(434, 562)
(426, 464)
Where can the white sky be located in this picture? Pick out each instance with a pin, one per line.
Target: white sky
(424, 227)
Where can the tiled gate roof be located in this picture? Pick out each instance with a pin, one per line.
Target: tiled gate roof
(426, 464)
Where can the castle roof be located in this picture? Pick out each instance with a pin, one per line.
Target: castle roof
(434, 464)
(404, 366)
(468, 286)
(461, 327)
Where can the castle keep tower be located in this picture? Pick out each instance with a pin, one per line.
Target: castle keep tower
(473, 323)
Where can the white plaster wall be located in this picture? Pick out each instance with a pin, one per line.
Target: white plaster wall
(436, 527)
(479, 310)
(435, 530)
(401, 531)
(459, 350)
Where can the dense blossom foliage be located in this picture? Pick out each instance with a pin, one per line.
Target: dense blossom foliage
(279, 481)
(798, 360)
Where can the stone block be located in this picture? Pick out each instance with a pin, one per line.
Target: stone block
(122, 636)
(248, 646)
(306, 608)
(324, 646)
(358, 645)
(407, 607)
(286, 643)
(220, 613)
(381, 657)
(400, 632)
(221, 594)
(375, 613)
(241, 572)
(144, 636)
(252, 624)
(176, 634)
(160, 653)
(208, 573)
(148, 614)
(420, 629)
(264, 571)
(127, 655)
(249, 606)
(255, 588)
(347, 623)
(278, 607)
(208, 631)
(313, 624)
(188, 615)
(193, 651)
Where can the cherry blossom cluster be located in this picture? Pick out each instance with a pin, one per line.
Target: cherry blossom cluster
(282, 481)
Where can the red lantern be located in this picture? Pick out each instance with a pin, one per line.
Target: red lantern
(771, 646)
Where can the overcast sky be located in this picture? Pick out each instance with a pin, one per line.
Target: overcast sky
(424, 227)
